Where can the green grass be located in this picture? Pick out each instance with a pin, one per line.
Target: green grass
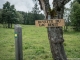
(36, 44)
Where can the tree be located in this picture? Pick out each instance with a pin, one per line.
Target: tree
(55, 34)
(75, 15)
(8, 14)
(36, 13)
(24, 15)
(0, 15)
(78, 1)
(67, 18)
(25, 21)
(19, 17)
(30, 18)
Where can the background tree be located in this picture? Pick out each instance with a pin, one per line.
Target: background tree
(0, 15)
(24, 15)
(19, 17)
(8, 14)
(66, 16)
(36, 13)
(25, 21)
(30, 17)
(75, 15)
(78, 1)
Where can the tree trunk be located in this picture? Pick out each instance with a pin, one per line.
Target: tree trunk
(55, 35)
(11, 25)
(8, 25)
(3, 25)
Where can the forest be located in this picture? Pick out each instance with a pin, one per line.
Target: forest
(9, 15)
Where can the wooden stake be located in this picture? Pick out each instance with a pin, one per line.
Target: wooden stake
(18, 43)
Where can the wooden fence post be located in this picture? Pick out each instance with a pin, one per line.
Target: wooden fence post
(18, 43)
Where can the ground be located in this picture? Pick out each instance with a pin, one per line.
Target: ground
(36, 44)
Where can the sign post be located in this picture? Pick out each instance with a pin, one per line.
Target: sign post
(18, 43)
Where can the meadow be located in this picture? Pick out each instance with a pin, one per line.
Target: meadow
(36, 44)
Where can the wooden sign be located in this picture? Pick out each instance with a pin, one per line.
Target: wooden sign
(50, 23)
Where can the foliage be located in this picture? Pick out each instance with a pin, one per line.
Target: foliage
(35, 14)
(75, 15)
(78, 1)
(24, 15)
(30, 17)
(20, 18)
(0, 15)
(8, 14)
(66, 16)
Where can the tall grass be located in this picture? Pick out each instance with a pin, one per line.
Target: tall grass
(36, 44)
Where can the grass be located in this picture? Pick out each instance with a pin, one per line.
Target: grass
(36, 44)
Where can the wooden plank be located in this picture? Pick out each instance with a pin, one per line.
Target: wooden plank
(50, 23)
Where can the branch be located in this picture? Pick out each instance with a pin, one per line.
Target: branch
(66, 1)
(59, 4)
(44, 4)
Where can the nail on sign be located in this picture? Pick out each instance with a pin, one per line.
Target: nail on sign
(50, 23)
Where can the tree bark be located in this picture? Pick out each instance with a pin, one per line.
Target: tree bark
(55, 35)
